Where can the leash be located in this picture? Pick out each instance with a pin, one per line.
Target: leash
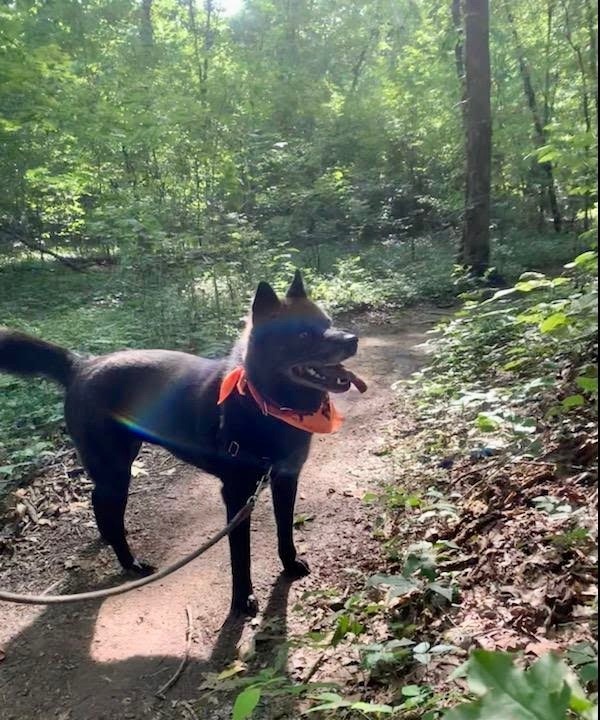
(238, 518)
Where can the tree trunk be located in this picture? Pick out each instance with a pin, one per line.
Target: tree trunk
(146, 29)
(208, 41)
(459, 62)
(585, 103)
(538, 125)
(14, 234)
(478, 117)
(191, 7)
(548, 62)
(593, 51)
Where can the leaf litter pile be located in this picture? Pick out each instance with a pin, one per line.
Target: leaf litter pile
(61, 490)
(48, 525)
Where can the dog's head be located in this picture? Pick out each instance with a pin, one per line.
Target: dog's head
(292, 338)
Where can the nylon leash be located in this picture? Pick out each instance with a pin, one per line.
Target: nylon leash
(243, 514)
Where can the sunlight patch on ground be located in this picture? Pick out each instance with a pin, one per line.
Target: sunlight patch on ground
(152, 622)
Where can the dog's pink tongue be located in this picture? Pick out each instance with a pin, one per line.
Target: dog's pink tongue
(359, 384)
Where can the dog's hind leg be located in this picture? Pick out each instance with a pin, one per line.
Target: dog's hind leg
(109, 500)
(109, 468)
(283, 489)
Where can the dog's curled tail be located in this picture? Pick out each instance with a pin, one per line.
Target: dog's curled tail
(22, 354)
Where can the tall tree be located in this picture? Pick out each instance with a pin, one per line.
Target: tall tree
(475, 249)
(538, 119)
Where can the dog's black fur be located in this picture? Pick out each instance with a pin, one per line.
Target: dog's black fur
(115, 402)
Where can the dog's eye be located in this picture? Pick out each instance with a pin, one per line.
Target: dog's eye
(304, 335)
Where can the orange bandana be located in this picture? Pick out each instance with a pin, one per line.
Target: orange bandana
(324, 420)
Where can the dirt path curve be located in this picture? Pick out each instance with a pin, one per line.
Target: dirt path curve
(105, 661)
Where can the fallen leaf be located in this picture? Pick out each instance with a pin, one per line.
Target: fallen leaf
(138, 470)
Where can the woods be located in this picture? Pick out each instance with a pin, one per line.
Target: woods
(425, 171)
(164, 126)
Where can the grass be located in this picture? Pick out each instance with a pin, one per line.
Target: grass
(196, 306)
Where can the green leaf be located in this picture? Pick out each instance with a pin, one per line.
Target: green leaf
(573, 401)
(245, 703)
(235, 669)
(441, 649)
(500, 294)
(514, 364)
(488, 422)
(365, 707)
(581, 653)
(587, 260)
(548, 673)
(549, 156)
(328, 701)
(398, 584)
(445, 592)
(587, 384)
(422, 647)
(341, 629)
(530, 275)
(554, 321)
(540, 693)
(529, 285)
(346, 624)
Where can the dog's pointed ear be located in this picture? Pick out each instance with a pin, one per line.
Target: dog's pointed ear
(296, 289)
(265, 302)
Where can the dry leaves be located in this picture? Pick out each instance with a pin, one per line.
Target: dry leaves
(62, 490)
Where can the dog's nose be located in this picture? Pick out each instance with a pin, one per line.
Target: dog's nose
(343, 339)
(351, 342)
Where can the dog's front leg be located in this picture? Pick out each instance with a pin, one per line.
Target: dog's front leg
(283, 489)
(235, 494)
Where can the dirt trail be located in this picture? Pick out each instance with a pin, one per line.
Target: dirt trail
(105, 661)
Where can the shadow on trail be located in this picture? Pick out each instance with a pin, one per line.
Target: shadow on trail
(51, 664)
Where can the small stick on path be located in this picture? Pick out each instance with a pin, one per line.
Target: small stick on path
(316, 666)
(52, 587)
(160, 693)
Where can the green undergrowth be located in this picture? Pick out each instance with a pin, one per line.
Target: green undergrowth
(522, 359)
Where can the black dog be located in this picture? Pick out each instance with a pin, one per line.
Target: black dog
(233, 418)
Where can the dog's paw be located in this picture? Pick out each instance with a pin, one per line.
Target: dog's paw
(246, 607)
(296, 569)
(140, 569)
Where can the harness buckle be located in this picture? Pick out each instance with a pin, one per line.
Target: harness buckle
(233, 449)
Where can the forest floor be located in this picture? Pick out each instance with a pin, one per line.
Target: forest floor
(509, 543)
(106, 660)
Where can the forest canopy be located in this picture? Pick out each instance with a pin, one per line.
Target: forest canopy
(152, 127)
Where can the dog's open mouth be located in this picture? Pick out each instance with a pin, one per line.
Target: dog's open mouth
(334, 378)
